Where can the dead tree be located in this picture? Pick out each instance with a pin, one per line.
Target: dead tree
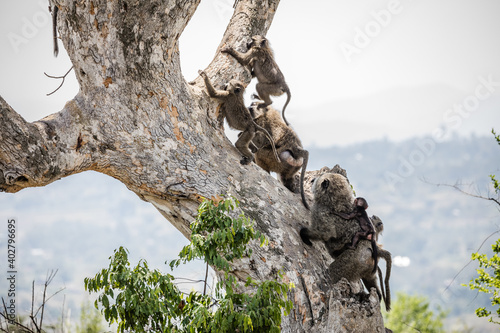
(138, 120)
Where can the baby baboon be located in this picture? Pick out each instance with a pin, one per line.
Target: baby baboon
(293, 157)
(238, 116)
(259, 59)
(356, 264)
(332, 195)
(367, 229)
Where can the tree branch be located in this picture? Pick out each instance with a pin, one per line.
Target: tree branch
(58, 77)
(36, 154)
(457, 187)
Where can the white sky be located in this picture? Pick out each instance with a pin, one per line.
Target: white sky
(419, 60)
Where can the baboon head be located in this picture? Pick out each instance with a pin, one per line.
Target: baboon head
(258, 41)
(333, 190)
(378, 224)
(235, 87)
(361, 202)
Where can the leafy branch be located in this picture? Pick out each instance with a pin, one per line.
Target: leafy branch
(487, 283)
(488, 279)
(142, 300)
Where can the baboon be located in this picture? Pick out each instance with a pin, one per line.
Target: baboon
(367, 229)
(378, 225)
(356, 264)
(238, 116)
(332, 195)
(293, 157)
(259, 59)
(55, 10)
(379, 228)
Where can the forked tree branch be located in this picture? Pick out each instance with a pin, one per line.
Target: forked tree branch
(58, 77)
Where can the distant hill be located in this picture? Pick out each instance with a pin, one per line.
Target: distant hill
(398, 113)
(75, 224)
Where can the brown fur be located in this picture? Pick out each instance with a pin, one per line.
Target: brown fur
(332, 198)
(367, 230)
(259, 59)
(332, 195)
(288, 146)
(355, 265)
(237, 115)
(378, 225)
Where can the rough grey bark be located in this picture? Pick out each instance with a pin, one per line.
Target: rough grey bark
(136, 119)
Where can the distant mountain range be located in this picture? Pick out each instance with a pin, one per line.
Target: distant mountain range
(396, 114)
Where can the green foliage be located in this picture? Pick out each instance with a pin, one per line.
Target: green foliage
(413, 314)
(497, 137)
(217, 238)
(495, 183)
(90, 320)
(488, 281)
(142, 300)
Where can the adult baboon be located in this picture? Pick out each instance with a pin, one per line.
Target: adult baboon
(288, 146)
(259, 59)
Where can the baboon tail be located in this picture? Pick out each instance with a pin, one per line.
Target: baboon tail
(54, 30)
(388, 261)
(388, 266)
(288, 97)
(374, 254)
(381, 281)
(302, 174)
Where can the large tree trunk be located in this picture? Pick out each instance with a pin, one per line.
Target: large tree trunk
(136, 119)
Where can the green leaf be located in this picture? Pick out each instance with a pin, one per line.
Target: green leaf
(104, 300)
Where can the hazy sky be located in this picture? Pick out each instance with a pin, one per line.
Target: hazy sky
(358, 70)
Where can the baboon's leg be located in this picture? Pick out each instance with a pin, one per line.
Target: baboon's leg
(253, 147)
(264, 90)
(267, 153)
(288, 182)
(242, 144)
(355, 240)
(372, 283)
